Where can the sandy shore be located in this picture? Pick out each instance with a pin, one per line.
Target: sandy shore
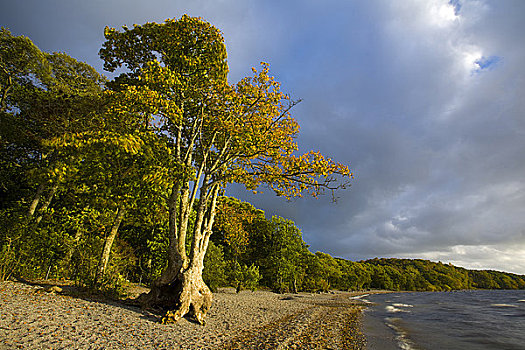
(31, 318)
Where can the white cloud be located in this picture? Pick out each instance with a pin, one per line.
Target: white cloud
(471, 55)
(441, 13)
(479, 257)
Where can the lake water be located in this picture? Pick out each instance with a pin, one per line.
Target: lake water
(462, 320)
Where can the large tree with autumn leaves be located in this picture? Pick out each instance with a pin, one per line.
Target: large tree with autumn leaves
(175, 81)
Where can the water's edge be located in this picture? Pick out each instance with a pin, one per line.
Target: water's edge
(378, 335)
(461, 320)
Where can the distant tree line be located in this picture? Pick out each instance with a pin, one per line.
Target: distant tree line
(275, 249)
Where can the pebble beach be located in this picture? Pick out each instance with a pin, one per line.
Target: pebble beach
(32, 317)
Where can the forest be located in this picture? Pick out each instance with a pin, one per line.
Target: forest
(110, 181)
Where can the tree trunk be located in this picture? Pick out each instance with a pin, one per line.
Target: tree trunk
(3, 95)
(71, 249)
(186, 295)
(46, 203)
(176, 257)
(180, 290)
(107, 246)
(36, 199)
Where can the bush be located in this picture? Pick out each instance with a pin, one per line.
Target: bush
(214, 273)
(243, 277)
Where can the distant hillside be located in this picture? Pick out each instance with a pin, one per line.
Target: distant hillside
(249, 250)
(425, 275)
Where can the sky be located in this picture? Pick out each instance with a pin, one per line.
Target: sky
(423, 99)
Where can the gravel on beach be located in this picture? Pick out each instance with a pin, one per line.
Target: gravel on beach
(32, 318)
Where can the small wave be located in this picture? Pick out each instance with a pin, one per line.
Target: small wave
(403, 305)
(359, 296)
(523, 301)
(503, 305)
(393, 309)
(402, 338)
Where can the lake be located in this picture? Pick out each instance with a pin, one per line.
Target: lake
(462, 320)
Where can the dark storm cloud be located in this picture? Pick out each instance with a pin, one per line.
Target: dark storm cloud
(423, 99)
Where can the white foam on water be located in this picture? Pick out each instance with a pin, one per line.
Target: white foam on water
(523, 301)
(503, 305)
(402, 339)
(392, 309)
(359, 296)
(402, 305)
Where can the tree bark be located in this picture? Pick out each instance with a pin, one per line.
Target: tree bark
(194, 298)
(180, 290)
(71, 249)
(8, 86)
(36, 200)
(46, 203)
(108, 243)
(175, 258)
(186, 294)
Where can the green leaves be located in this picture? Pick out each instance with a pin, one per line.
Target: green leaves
(190, 46)
(21, 64)
(240, 133)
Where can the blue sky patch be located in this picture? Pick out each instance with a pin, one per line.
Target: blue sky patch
(486, 63)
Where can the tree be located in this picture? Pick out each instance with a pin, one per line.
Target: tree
(217, 133)
(22, 64)
(42, 96)
(331, 269)
(122, 164)
(214, 272)
(232, 220)
(23, 71)
(285, 251)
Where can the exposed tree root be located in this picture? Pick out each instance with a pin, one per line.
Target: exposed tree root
(187, 296)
